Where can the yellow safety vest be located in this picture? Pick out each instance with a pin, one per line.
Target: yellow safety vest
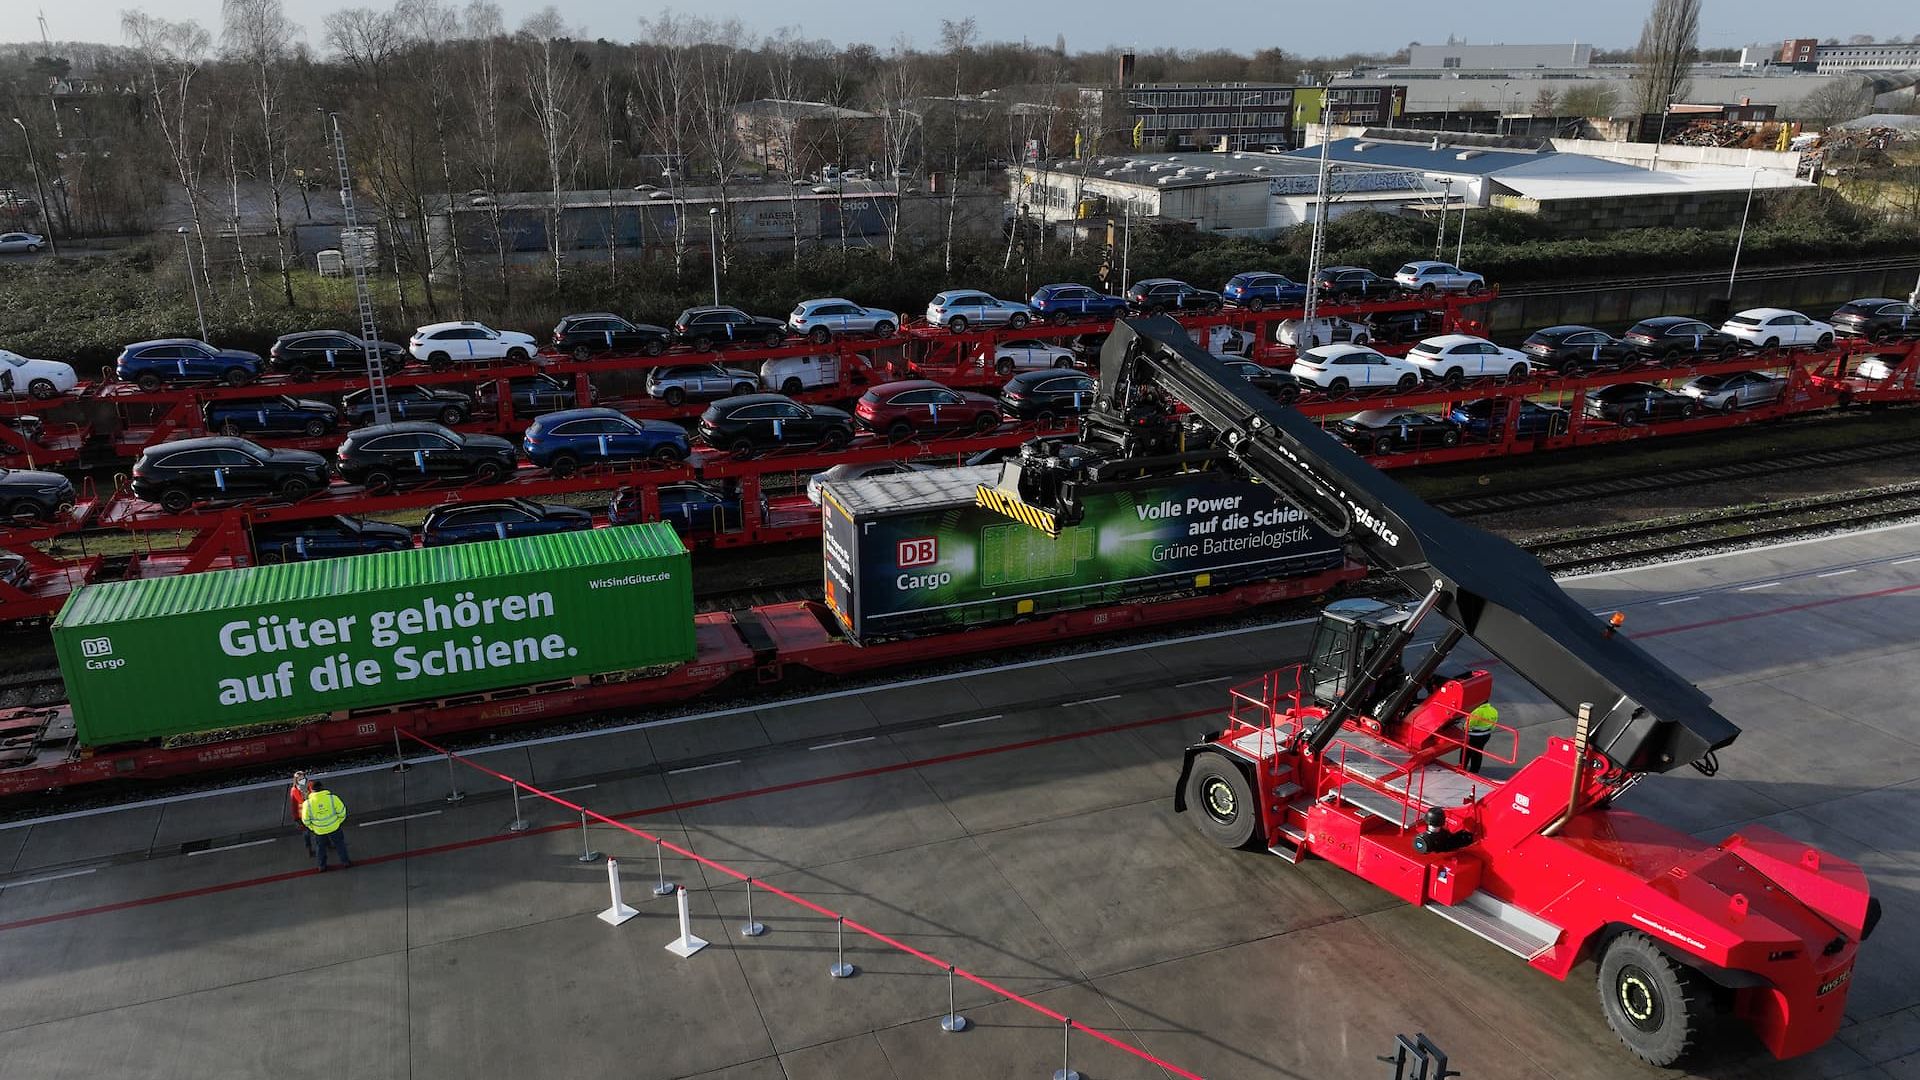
(1481, 719)
(323, 812)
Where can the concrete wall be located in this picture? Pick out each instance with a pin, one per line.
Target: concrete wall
(1817, 294)
(1681, 157)
(1606, 215)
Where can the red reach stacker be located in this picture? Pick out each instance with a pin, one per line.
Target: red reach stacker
(1357, 756)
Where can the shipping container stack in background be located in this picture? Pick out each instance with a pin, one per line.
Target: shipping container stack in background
(159, 657)
(910, 554)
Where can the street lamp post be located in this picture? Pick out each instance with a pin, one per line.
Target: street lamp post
(1440, 238)
(1460, 232)
(1741, 240)
(1662, 137)
(199, 311)
(713, 248)
(46, 214)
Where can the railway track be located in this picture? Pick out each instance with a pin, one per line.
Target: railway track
(1765, 273)
(1565, 494)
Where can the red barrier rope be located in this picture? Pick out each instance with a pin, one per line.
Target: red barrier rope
(977, 980)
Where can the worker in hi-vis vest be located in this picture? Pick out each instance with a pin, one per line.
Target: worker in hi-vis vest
(1480, 724)
(324, 815)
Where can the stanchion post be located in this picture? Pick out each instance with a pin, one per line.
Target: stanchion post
(953, 1021)
(663, 887)
(519, 824)
(751, 928)
(1065, 1071)
(399, 759)
(587, 854)
(453, 782)
(686, 944)
(617, 911)
(841, 969)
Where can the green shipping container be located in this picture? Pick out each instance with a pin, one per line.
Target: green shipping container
(155, 657)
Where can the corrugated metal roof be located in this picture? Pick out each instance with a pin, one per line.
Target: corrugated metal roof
(1460, 160)
(159, 598)
(927, 490)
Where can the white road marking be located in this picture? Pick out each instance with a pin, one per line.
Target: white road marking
(844, 742)
(1200, 682)
(402, 817)
(232, 847)
(576, 787)
(1678, 600)
(1762, 585)
(48, 877)
(1838, 573)
(699, 768)
(975, 720)
(1903, 562)
(1090, 701)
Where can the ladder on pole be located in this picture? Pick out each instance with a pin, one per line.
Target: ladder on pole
(360, 247)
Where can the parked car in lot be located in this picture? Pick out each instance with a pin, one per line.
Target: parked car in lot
(1028, 354)
(1676, 337)
(1166, 294)
(536, 395)
(1777, 328)
(38, 379)
(961, 309)
(1735, 390)
(271, 416)
(675, 385)
(21, 242)
(791, 374)
(441, 345)
(600, 333)
(1575, 350)
(180, 473)
(334, 352)
(692, 508)
(326, 538)
(1398, 326)
(1048, 395)
(1451, 359)
(909, 407)
(1387, 431)
(1276, 383)
(751, 422)
(449, 407)
(1345, 284)
(1638, 402)
(1429, 278)
(704, 329)
(1068, 300)
(1341, 369)
(820, 321)
(563, 441)
(1259, 289)
(1486, 418)
(29, 494)
(1324, 331)
(384, 456)
(498, 519)
(173, 361)
(843, 473)
(1876, 319)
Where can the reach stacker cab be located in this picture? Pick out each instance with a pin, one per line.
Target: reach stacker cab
(1358, 756)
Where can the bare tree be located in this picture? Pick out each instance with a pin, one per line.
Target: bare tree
(483, 88)
(899, 128)
(365, 38)
(721, 79)
(553, 92)
(665, 79)
(786, 84)
(233, 229)
(957, 39)
(1669, 42)
(1840, 100)
(431, 28)
(1545, 101)
(1593, 98)
(258, 34)
(170, 55)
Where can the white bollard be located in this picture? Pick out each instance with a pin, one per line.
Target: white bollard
(618, 912)
(686, 944)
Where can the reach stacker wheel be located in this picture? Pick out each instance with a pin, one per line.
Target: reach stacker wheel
(1223, 801)
(1657, 1006)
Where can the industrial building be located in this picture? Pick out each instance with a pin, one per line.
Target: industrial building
(1808, 54)
(798, 137)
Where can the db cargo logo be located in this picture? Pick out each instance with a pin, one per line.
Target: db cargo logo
(96, 646)
(920, 551)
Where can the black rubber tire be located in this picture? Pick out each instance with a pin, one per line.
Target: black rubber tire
(884, 329)
(957, 324)
(654, 347)
(1254, 303)
(1406, 383)
(835, 438)
(564, 465)
(452, 414)
(1221, 802)
(176, 500)
(1062, 362)
(1686, 412)
(1382, 444)
(42, 390)
(1045, 418)
(792, 386)
(439, 361)
(986, 422)
(1338, 388)
(1427, 291)
(1880, 336)
(1018, 321)
(819, 335)
(294, 488)
(490, 472)
(668, 455)
(517, 354)
(582, 354)
(1659, 1008)
(775, 338)
(272, 557)
(315, 428)
(899, 431)
(1450, 438)
(27, 510)
(741, 447)
(1630, 416)
(1570, 369)
(147, 381)
(377, 481)
(1518, 373)
(701, 344)
(1771, 344)
(300, 372)
(235, 376)
(1003, 368)
(742, 388)
(674, 396)
(1475, 288)
(229, 429)
(1824, 343)
(1453, 378)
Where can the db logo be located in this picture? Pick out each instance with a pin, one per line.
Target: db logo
(920, 551)
(96, 646)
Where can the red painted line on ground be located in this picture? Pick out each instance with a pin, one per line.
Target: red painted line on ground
(481, 841)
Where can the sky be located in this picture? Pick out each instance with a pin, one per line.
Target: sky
(1144, 24)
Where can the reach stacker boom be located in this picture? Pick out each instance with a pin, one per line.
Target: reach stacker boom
(1359, 755)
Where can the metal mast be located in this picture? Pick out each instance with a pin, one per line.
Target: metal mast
(359, 247)
(1319, 246)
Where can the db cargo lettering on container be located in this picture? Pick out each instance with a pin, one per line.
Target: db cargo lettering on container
(169, 656)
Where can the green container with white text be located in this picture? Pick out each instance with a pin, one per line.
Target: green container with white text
(157, 657)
